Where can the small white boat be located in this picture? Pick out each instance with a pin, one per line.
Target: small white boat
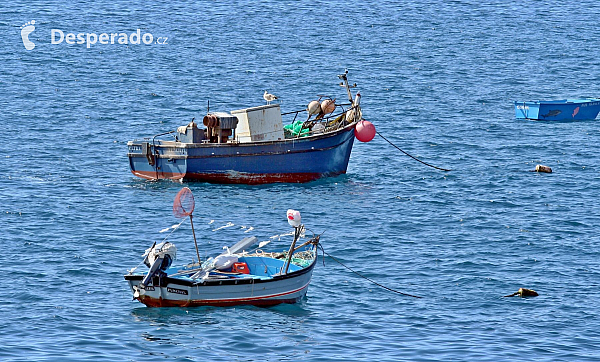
(243, 274)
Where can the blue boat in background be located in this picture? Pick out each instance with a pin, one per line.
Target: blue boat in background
(251, 145)
(560, 110)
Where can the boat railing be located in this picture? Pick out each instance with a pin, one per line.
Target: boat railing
(161, 134)
(331, 122)
(304, 110)
(153, 138)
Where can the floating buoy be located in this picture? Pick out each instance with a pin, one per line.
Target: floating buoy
(327, 106)
(364, 131)
(314, 107)
(542, 168)
(524, 293)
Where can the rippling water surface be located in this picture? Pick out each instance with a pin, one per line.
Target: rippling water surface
(437, 78)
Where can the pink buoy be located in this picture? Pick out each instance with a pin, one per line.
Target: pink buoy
(364, 131)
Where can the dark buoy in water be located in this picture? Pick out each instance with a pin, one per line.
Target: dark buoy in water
(542, 168)
(524, 293)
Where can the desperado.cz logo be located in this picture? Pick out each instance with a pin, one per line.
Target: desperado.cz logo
(57, 36)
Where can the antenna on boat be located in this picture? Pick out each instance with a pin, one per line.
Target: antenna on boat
(183, 206)
(344, 83)
(295, 220)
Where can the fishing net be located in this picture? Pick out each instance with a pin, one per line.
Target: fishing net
(184, 203)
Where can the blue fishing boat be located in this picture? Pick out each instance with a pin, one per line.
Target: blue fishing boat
(559, 110)
(244, 274)
(252, 146)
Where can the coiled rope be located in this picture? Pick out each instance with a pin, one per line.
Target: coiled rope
(362, 276)
(414, 158)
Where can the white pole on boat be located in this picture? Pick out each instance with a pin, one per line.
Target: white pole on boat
(195, 243)
(291, 251)
(344, 78)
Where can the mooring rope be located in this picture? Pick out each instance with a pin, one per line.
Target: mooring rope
(414, 158)
(362, 276)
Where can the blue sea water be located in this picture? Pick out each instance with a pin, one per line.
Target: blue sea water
(438, 79)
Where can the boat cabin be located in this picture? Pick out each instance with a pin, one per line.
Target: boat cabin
(262, 123)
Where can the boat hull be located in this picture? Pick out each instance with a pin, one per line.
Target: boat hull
(560, 110)
(258, 291)
(292, 160)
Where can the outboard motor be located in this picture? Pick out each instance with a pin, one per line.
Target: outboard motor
(158, 258)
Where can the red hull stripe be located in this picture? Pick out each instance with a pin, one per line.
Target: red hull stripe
(237, 178)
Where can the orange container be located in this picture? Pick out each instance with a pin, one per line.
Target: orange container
(240, 267)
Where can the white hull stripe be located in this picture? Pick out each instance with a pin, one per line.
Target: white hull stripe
(253, 298)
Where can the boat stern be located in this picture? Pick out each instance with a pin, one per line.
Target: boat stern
(527, 110)
(155, 161)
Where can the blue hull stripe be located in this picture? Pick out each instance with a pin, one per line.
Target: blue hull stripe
(298, 160)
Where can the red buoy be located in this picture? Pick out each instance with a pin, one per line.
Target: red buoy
(364, 131)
